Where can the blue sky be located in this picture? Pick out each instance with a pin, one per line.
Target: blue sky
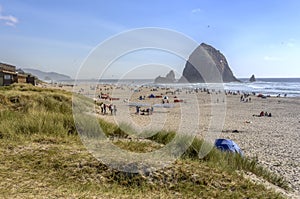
(257, 37)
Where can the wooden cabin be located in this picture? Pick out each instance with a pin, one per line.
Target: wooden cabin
(9, 75)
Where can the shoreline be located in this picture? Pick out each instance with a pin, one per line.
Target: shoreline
(259, 87)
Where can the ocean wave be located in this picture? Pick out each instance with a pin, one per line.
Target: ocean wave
(291, 88)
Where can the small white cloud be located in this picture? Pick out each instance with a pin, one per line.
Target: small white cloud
(8, 20)
(197, 10)
(10, 24)
(290, 44)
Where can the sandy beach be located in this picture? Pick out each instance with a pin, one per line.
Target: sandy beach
(274, 141)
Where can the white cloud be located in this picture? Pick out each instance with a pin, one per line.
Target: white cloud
(196, 10)
(10, 24)
(8, 20)
(290, 44)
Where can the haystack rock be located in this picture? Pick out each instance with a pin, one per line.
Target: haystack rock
(170, 78)
(252, 79)
(206, 64)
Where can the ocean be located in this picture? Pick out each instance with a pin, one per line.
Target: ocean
(289, 87)
(266, 86)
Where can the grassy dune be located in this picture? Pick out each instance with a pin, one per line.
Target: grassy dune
(42, 157)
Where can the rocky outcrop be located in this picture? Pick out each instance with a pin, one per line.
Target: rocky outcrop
(206, 64)
(252, 79)
(170, 78)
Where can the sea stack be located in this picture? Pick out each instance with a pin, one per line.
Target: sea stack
(170, 78)
(252, 79)
(207, 65)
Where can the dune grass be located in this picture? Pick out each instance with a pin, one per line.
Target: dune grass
(225, 161)
(42, 157)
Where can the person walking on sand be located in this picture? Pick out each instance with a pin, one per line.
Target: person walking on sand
(137, 110)
(115, 110)
(104, 108)
(111, 107)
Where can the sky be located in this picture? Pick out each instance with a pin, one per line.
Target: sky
(256, 37)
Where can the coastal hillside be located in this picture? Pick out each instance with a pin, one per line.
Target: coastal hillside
(42, 156)
(46, 76)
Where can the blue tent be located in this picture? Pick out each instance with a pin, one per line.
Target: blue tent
(151, 96)
(228, 145)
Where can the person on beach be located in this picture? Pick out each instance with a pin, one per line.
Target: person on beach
(261, 114)
(151, 110)
(148, 111)
(266, 113)
(115, 110)
(104, 108)
(111, 108)
(270, 115)
(101, 106)
(137, 110)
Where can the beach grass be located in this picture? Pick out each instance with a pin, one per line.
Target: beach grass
(229, 162)
(42, 156)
